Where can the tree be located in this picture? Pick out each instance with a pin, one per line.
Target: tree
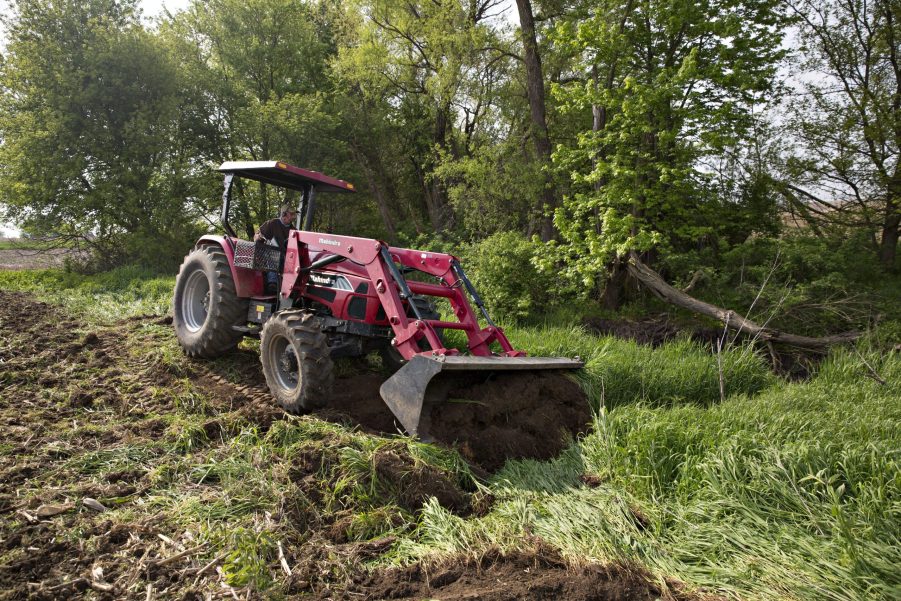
(847, 122)
(537, 109)
(90, 112)
(261, 72)
(668, 83)
(433, 65)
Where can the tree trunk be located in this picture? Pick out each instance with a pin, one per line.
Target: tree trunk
(435, 195)
(612, 297)
(888, 244)
(535, 90)
(378, 193)
(434, 200)
(732, 320)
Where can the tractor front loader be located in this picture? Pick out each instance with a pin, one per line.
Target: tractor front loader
(336, 296)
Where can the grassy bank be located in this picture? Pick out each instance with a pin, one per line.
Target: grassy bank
(779, 490)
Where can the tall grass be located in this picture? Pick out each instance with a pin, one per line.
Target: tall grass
(624, 372)
(792, 493)
(103, 297)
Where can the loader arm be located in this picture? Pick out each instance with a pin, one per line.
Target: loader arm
(405, 391)
(379, 261)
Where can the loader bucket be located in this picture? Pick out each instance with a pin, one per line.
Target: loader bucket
(407, 392)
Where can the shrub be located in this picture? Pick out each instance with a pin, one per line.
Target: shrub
(813, 285)
(502, 269)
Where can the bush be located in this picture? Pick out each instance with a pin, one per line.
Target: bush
(502, 269)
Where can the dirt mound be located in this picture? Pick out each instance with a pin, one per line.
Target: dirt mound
(355, 400)
(532, 575)
(489, 417)
(415, 484)
(511, 416)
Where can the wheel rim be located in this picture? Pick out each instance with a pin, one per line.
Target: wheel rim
(195, 301)
(284, 363)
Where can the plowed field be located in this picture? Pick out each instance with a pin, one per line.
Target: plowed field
(122, 461)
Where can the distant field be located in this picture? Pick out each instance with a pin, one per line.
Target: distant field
(21, 253)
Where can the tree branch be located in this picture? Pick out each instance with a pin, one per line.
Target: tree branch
(652, 280)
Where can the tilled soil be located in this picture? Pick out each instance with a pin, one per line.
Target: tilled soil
(533, 575)
(74, 401)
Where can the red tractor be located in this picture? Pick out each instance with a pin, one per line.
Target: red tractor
(337, 296)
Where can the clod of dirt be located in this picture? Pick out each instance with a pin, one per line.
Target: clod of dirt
(81, 398)
(591, 480)
(90, 339)
(511, 416)
(415, 484)
(532, 575)
(125, 476)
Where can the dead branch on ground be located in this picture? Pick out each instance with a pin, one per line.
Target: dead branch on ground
(653, 282)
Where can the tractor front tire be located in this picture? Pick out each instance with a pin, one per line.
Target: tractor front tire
(205, 305)
(296, 362)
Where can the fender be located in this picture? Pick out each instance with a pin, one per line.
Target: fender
(248, 282)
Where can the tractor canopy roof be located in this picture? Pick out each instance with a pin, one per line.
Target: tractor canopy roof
(284, 175)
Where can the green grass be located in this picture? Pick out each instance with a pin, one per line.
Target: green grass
(792, 493)
(26, 244)
(104, 297)
(778, 491)
(621, 372)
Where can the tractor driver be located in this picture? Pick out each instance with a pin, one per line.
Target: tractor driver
(275, 232)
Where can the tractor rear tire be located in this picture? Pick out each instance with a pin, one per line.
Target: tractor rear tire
(296, 361)
(205, 305)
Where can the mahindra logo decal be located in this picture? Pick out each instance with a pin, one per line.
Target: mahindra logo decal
(329, 242)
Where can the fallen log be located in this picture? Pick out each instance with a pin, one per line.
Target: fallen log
(651, 280)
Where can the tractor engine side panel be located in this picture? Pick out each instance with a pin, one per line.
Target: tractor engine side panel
(344, 295)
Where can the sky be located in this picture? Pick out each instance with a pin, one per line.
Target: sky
(153, 8)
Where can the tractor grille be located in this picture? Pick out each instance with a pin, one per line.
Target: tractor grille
(259, 256)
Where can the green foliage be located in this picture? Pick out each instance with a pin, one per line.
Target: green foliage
(670, 83)
(845, 140)
(503, 271)
(89, 124)
(439, 74)
(248, 561)
(260, 68)
(492, 189)
(801, 283)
